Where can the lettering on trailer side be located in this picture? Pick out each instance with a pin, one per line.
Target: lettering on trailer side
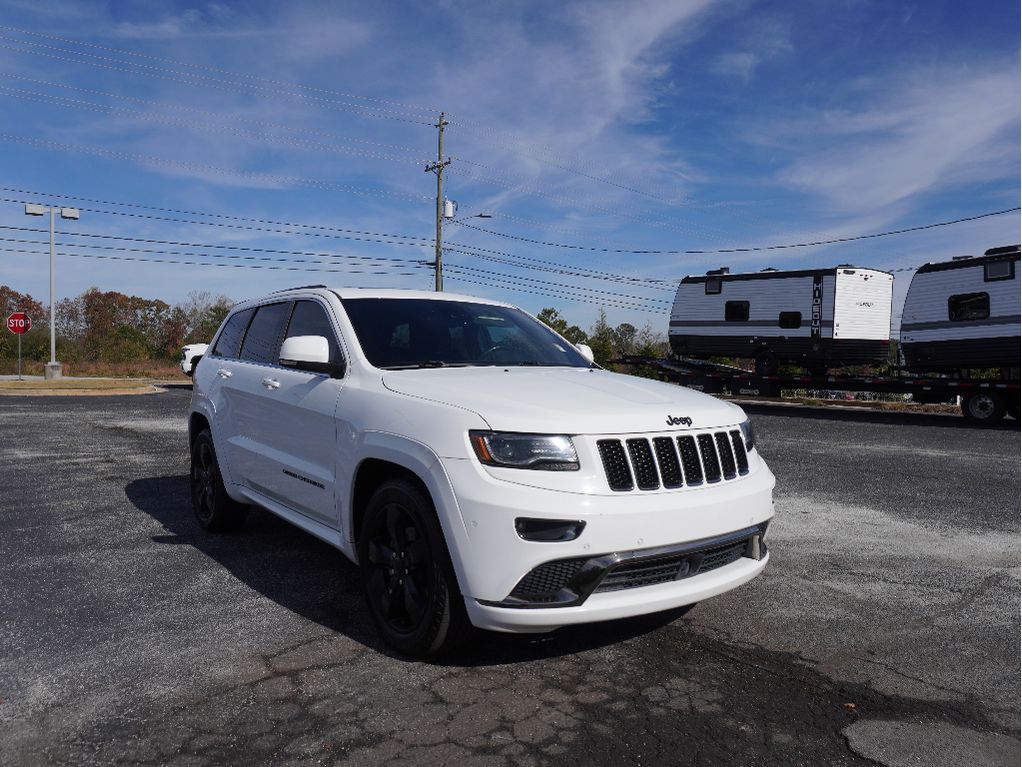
(817, 314)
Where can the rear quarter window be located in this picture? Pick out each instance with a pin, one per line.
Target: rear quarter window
(229, 343)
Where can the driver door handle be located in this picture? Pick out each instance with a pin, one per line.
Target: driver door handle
(271, 383)
(224, 373)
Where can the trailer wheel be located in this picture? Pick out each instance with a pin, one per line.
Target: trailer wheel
(983, 408)
(767, 363)
(817, 369)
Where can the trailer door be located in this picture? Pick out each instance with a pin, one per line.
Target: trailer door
(862, 304)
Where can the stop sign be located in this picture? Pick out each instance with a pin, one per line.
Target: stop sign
(19, 322)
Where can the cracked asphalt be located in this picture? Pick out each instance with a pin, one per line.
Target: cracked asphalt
(885, 630)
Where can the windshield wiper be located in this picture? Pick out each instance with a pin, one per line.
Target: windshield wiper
(425, 364)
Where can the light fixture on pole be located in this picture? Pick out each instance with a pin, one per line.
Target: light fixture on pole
(53, 368)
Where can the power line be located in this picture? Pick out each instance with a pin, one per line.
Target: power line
(164, 106)
(555, 294)
(217, 170)
(319, 268)
(372, 260)
(593, 291)
(208, 68)
(187, 78)
(747, 249)
(647, 283)
(327, 230)
(222, 129)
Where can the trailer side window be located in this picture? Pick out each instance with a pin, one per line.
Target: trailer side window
(968, 306)
(998, 270)
(712, 287)
(790, 320)
(736, 311)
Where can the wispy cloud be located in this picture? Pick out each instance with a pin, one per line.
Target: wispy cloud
(938, 130)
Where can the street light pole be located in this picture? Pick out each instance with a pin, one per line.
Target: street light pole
(53, 368)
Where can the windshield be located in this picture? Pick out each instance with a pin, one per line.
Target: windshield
(400, 333)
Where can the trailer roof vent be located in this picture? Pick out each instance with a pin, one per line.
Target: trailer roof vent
(961, 258)
(1002, 251)
(718, 272)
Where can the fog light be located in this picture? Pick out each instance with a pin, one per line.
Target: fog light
(548, 530)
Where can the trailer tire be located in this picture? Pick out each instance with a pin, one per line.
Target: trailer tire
(767, 363)
(984, 408)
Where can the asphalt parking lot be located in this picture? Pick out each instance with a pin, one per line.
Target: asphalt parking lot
(885, 630)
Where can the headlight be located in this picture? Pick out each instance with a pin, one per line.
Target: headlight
(524, 451)
(748, 434)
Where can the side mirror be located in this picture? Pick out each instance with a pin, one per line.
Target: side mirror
(310, 353)
(585, 351)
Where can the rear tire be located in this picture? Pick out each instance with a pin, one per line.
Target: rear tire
(407, 576)
(214, 509)
(983, 408)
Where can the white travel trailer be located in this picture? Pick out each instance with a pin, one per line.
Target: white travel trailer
(820, 318)
(963, 314)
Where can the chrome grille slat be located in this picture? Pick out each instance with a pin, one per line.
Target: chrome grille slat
(647, 463)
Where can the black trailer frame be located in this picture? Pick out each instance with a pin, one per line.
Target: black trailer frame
(984, 400)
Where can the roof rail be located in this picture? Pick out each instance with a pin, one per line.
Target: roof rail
(297, 287)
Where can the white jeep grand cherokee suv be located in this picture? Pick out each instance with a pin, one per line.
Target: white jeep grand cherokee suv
(480, 469)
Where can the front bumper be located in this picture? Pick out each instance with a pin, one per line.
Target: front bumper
(638, 528)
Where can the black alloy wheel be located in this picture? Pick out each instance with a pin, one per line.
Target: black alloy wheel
(407, 576)
(214, 509)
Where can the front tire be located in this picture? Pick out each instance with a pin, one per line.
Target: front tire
(214, 509)
(407, 577)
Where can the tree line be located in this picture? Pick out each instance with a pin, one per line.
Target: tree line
(111, 327)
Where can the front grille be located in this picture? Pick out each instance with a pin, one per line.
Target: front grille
(722, 555)
(690, 460)
(633, 575)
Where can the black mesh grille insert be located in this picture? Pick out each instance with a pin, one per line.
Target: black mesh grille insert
(642, 459)
(636, 574)
(741, 458)
(667, 457)
(543, 583)
(690, 461)
(711, 466)
(633, 575)
(615, 464)
(727, 458)
(722, 555)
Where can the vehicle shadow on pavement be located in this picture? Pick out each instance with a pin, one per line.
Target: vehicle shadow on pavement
(312, 579)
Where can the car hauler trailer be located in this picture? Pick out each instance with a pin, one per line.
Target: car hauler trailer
(983, 401)
(818, 318)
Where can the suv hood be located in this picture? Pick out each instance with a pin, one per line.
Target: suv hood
(564, 400)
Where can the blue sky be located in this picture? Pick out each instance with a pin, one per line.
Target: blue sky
(601, 126)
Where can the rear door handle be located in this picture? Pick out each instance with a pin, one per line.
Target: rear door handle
(224, 373)
(271, 383)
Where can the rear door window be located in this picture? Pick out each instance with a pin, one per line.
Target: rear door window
(229, 343)
(262, 342)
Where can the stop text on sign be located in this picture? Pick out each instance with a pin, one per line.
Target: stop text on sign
(19, 322)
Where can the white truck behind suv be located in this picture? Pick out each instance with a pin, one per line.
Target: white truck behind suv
(480, 469)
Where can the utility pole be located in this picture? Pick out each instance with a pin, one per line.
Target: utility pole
(438, 169)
